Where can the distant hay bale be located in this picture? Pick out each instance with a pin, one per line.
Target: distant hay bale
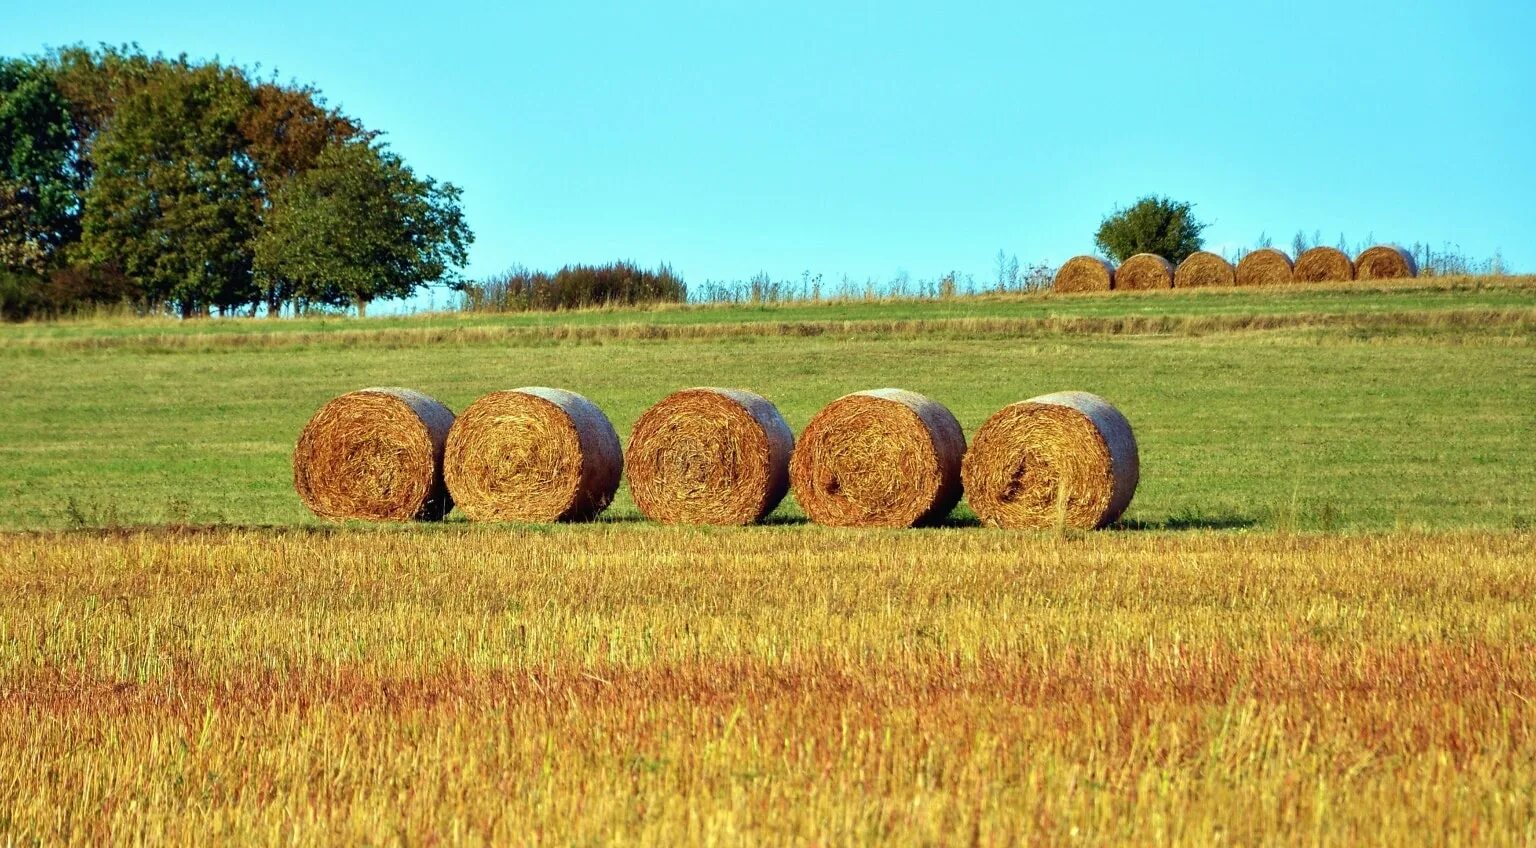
(1324, 265)
(532, 454)
(375, 454)
(1264, 267)
(709, 456)
(1084, 273)
(1385, 262)
(1067, 459)
(1144, 271)
(882, 458)
(1202, 269)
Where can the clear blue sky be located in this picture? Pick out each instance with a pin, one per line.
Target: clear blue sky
(868, 138)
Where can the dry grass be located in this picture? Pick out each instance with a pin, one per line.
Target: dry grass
(880, 458)
(374, 454)
(709, 456)
(664, 686)
(532, 454)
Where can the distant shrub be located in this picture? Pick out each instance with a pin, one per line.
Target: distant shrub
(574, 287)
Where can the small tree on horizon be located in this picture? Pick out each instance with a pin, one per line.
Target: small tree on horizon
(1151, 225)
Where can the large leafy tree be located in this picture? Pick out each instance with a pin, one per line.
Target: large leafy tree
(285, 131)
(360, 226)
(39, 182)
(173, 200)
(1151, 225)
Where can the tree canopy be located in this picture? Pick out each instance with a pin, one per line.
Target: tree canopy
(1151, 225)
(191, 186)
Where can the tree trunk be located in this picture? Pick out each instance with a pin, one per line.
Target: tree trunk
(362, 307)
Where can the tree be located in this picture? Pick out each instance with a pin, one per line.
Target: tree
(173, 200)
(1152, 225)
(361, 226)
(39, 185)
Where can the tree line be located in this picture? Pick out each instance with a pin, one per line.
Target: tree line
(189, 187)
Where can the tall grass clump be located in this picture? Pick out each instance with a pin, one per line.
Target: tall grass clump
(574, 287)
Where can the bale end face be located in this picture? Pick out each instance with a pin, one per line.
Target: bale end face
(1084, 273)
(1265, 267)
(709, 456)
(1202, 269)
(882, 458)
(1324, 265)
(1061, 460)
(375, 454)
(1144, 271)
(1385, 262)
(532, 454)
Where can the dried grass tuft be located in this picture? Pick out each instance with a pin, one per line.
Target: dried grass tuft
(532, 454)
(1144, 271)
(882, 458)
(1265, 267)
(1323, 264)
(1204, 269)
(375, 454)
(1084, 273)
(1067, 459)
(1385, 262)
(709, 456)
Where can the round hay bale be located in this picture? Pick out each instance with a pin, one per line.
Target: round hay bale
(1385, 262)
(1264, 267)
(1144, 271)
(882, 458)
(532, 454)
(375, 454)
(709, 456)
(1201, 269)
(1084, 273)
(1324, 265)
(1060, 460)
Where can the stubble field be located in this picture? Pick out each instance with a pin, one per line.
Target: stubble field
(1315, 626)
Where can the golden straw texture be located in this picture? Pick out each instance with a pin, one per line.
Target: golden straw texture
(1144, 271)
(1202, 269)
(532, 454)
(1385, 262)
(1067, 459)
(882, 458)
(1264, 267)
(709, 456)
(1324, 265)
(1084, 273)
(375, 454)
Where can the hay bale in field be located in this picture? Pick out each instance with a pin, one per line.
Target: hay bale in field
(882, 458)
(1059, 460)
(1324, 265)
(532, 454)
(1264, 267)
(375, 454)
(709, 456)
(1385, 262)
(1144, 271)
(1203, 269)
(1084, 273)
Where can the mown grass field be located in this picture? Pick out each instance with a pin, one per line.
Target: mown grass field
(1316, 625)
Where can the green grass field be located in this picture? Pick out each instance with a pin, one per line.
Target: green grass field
(1422, 418)
(1315, 625)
